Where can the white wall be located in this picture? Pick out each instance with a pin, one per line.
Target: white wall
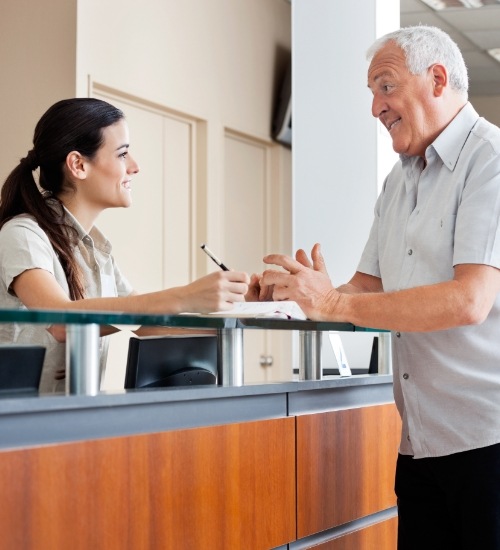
(339, 153)
(335, 137)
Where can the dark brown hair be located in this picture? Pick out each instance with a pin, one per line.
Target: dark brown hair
(69, 125)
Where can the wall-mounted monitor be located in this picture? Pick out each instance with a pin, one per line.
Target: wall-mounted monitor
(282, 122)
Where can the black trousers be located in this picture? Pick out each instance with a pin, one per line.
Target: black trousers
(450, 502)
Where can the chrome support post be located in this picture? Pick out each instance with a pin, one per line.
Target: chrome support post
(230, 367)
(82, 359)
(310, 355)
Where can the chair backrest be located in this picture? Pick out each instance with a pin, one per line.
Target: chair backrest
(171, 361)
(20, 368)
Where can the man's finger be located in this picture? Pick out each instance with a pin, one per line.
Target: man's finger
(286, 262)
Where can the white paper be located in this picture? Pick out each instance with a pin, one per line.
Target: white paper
(282, 310)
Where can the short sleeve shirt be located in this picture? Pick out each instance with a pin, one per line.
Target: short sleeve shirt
(23, 246)
(428, 220)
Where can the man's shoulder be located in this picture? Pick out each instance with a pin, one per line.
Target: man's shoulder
(488, 132)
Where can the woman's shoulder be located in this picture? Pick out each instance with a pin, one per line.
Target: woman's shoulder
(23, 224)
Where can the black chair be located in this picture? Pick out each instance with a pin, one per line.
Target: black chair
(20, 368)
(165, 361)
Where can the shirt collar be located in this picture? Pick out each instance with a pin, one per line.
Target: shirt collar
(99, 240)
(450, 142)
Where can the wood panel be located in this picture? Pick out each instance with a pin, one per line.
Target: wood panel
(345, 466)
(381, 536)
(218, 487)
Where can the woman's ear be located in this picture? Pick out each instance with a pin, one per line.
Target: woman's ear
(76, 165)
(440, 78)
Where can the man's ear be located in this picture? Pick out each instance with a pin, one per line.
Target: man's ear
(76, 165)
(439, 78)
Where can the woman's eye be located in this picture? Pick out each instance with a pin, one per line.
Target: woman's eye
(124, 154)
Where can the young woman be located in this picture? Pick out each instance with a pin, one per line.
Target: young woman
(52, 255)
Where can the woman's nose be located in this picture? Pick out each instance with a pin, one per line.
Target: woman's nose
(132, 167)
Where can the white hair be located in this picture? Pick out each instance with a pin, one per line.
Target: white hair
(424, 46)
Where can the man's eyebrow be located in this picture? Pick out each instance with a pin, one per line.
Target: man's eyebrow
(379, 76)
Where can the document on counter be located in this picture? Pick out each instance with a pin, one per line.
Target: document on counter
(281, 310)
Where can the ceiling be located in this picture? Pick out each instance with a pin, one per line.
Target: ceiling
(474, 30)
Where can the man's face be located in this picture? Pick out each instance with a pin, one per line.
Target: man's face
(403, 102)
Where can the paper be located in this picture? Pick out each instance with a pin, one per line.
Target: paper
(281, 310)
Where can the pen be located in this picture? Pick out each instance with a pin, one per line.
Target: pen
(213, 257)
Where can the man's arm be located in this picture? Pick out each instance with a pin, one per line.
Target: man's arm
(465, 300)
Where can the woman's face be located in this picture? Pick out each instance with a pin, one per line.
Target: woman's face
(110, 172)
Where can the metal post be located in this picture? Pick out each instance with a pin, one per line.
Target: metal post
(310, 355)
(230, 368)
(82, 359)
(384, 353)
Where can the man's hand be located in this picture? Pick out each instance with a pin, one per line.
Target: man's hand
(305, 282)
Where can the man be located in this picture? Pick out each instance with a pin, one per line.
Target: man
(430, 273)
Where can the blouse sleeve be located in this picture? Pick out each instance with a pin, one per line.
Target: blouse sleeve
(23, 246)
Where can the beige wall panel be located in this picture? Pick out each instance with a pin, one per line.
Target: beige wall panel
(245, 204)
(244, 222)
(217, 59)
(177, 211)
(38, 67)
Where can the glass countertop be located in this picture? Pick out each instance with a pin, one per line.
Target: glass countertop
(73, 317)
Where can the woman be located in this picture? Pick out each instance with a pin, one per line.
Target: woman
(52, 255)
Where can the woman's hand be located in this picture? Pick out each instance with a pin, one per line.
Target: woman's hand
(258, 291)
(214, 292)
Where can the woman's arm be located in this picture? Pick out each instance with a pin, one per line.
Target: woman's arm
(38, 289)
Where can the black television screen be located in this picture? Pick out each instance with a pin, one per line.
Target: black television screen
(155, 362)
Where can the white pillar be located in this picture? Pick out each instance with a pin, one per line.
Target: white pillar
(339, 152)
(335, 138)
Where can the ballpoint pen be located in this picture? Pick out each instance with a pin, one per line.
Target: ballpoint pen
(213, 257)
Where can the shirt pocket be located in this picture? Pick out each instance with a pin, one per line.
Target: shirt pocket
(436, 243)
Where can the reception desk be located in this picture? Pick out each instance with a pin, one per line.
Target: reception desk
(299, 464)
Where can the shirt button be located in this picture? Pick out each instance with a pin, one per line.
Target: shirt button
(410, 252)
(398, 334)
(406, 376)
